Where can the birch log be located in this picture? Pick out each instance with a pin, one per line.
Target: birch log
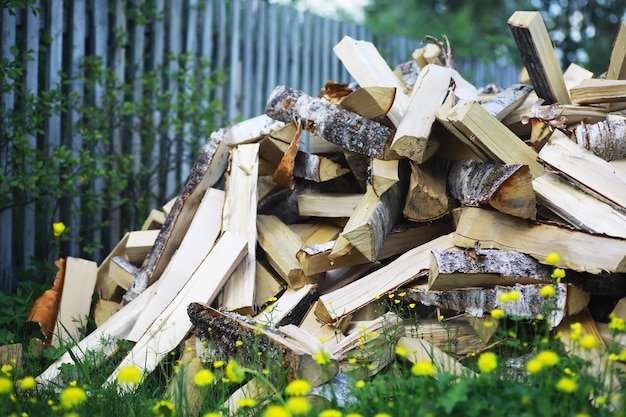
(605, 139)
(353, 132)
(427, 199)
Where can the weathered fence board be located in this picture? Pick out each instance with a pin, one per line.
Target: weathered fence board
(255, 44)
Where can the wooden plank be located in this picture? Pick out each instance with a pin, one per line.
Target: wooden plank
(540, 60)
(194, 247)
(207, 170)
(579, 251)
(239, 217)
(170, 326)
(344, 301)
(593, 173)
(327, 205)
(78, 286)
(139, 244)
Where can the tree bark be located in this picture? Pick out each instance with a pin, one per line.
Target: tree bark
(605, 138)
(427, 199)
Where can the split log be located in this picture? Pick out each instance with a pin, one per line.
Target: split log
(104, 310)
(599, 91)
(122, 271)
(617, 62)
(451, 269)
(605, 139)
(408, 235)
(371, 222)
(194, 247)
(503, 103)
(266, 284)
(421, 350)
(171, 325)
(406, 268)
(79, 283)
(239, 217)
(283, 175)
(317, 168)
(184, 393)
(221, 330)
(412, 136)
(207, 170)
(427, 199)
(353, 132)
(12, 354)
(315, 259)
(540, 60)
(475, 126)
(384, 174)
(480, 301)
(367, 66)
(578, 250)
(105, 286)
(507, 188)
(578, 208)
(45, 309)
(328, 205)
(281, 245)
(407, 72)
(250, 130)
(290, 308)
(594, 174)
(370, 102)
(154, 221)
(466, 339)
(359, 166)
(139, 243)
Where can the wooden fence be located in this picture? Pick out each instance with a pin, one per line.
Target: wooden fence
(254, 44)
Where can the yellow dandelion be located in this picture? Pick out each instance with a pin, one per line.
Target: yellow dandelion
(402, 294)
(423, 368)
(234, 372)
(360, 384)
(298, 388)
(487, 362)
(352, 361)
(212, 415)
(272, 299)
(371, 367)
(58, 228)
(129, 375)
(238, 343)
(548, 358)
(269, 309)
(246, 402)
(71, 397)
(558, 274)
(412, 305)
(163, 408)
(547, 291)
(298, 405)
(6, 369)
(391, 295)
(487, 324)
(575, 331)
(27, 383)
(504, 297)
(396, 301)
(218, 364)
(540, 316)
(330, 413)
(203, 377)
(552, 259)
(322, 358)
(622, 355)
(617, 323)
(276, 411)
(353, 415)
(497, 313)
(533, 366)
(589, 342)
(401, 351)
(601, 400)
(514, 295)
(566, 384)
(6, 386)
(613, 357)
(382, 415)
(265, 372)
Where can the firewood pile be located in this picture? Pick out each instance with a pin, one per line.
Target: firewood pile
(412, 186)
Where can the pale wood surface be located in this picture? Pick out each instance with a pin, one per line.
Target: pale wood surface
(328, 205)
(122, 271)
(427, 199)
(371, 102)
(139, 243)
(421, 350)
(503, 103)
(598, 91)
(617, 62)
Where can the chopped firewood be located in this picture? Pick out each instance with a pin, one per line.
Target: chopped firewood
(359, 166)
(421, 350)
(239, 217)
(328, 205)
(408, 235)
(221, 330)
(454, 335)
(384, 175)
(427, 199)
(255, 388)
(154, 221)
(122, 271)
(620, 309)
(507, 188)
(406, 268)
(105, 285)
(412, 136)
(455, 268)
(195, 246)
(605, 139)
(79, 283)
(250, 130)
(575, 74)
(315, 259)
(207, 170)
(537, 52)
(181, 390)
(506, 101)
(473, 124)
(281, 245)
(320, 232)
(100, 341)
(353, 132)
(578, 208)
(169, 328)
(370, 102)
(327, 335)
(478, 301)
(104, 310)
(371, 222)
(266, 284)
(369, 69)
(407, 72)
(46, 308)
(318, 145)
(599, 91)
(552, 114)
(317, 168)
(139, 243)
(578, 250)
(593, 173)
(290, 308)
(12, 354)
(369, 343)
(283, 175)
(167, 207)
(617, 62)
